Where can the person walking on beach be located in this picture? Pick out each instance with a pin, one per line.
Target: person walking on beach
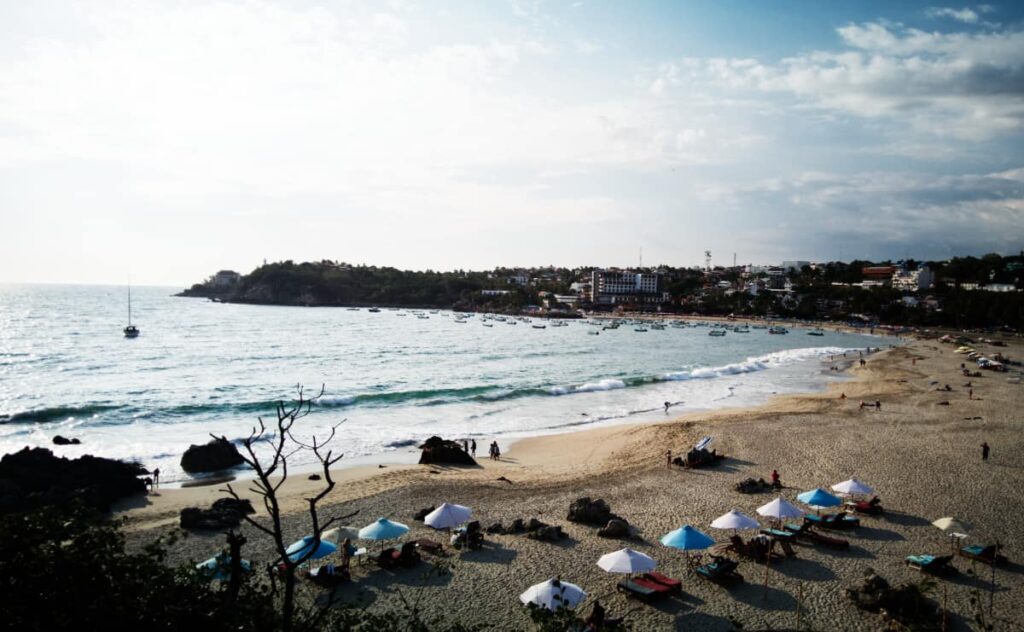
(156, 477)
(668, 459)
(878, 405)
(970, 394)
(472, 447)
(497, 452)
(984, 450)
(465, 446)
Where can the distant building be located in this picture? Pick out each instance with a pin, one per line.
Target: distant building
(794, 266)
(494, 292)
(613, 287)
(913, 281)
(224, 279)
(567, 299)
(879, 273)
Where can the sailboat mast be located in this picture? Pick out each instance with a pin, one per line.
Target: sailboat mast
(129, 305)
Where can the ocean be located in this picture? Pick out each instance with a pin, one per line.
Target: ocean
(390, 378)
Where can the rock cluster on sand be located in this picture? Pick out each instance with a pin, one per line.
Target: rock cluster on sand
(34, 477)
(438, 450)
(906, 604)
(218, 454)
(226, 513)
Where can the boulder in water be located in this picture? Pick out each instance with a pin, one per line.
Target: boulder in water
(218, 454)
(438, 450)
(60, 440)
(34, 477)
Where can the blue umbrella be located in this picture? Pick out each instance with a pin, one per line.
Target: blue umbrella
(219, 567)
(819, 498)
(687, 539)
(383, 529)
(300, 548)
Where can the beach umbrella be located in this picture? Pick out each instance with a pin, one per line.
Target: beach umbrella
(687, 539)
(383, 529)
(734, 520)
(818, 497)
(627, 561)
(780, 508)
(301, 548)
(219, 566)
(337, 534)
(953, 527)
(553, 594)
(852, 487)
(447, 516)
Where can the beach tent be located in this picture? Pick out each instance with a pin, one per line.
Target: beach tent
(301, 548)
(627, 561)
(853, 487)
(818, 497)
(448, 516)
(734, 520)
(383, 529)
(219, 566)
(553, 594)
(780, 509)
(687, 538)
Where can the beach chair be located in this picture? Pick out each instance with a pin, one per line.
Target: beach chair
(833, 521)
(807, 533)
(780, 535)
(328, 576)
(988, 554)
(674, 585)
(871, 507)
(931, 564)
(430, 546)
(721, 571)
(645, 591)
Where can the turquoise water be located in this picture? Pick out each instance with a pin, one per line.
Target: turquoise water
(202, 367)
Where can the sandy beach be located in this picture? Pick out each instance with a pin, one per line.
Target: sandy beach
(921, 455)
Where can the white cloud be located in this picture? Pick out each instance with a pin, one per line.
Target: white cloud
(965, 15)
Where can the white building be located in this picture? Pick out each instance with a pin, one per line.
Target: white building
(611, 287)
(920, 279)
(225, 278)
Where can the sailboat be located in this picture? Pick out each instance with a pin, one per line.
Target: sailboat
(131, 331)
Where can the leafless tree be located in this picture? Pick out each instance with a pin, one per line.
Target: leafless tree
(271, 474)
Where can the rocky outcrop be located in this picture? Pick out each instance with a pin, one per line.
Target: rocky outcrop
(422, 513)
(616, 528)
(593, 512)
(59, 440)
(35, 477)
(218, 454)
(438, 450)
(906, 604)
(226, 513)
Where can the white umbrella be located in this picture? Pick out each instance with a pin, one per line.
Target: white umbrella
(553, 594)
(779, 509)
(953, 527)
(735, 520)
(447, 516)
(337, 534)
(852, 486)
(627, 561)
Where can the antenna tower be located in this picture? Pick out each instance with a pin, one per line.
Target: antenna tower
(707, 260)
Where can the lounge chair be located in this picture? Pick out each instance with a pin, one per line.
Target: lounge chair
(758, 549)
(780, 535)
(989, 554)
(833, 521)
(934, 565)
(674, 585)
(871, 507)
(430, 546)
(328, 575)
(643, 590)
(721, 570)
(599, 619)
(806, 532)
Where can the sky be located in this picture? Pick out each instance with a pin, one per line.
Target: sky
(162, 141)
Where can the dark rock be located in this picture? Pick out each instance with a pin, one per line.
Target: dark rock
(702, 458)
(496, 528)
(616, 528)
(218, 454)
(753, 486)
(905, 604)
(586, 511)
(314, 477)
(438, 450)
(517, 526)
(422, 513)
(534, 525)
(59, 440)
(226, 513)
(549, 533)
(35, 477)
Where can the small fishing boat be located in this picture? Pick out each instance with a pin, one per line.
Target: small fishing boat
(374, 310)
(539, 326)
(640, 329)
(778, 330)
(716, 332)
(131, 331)
(816, 332)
